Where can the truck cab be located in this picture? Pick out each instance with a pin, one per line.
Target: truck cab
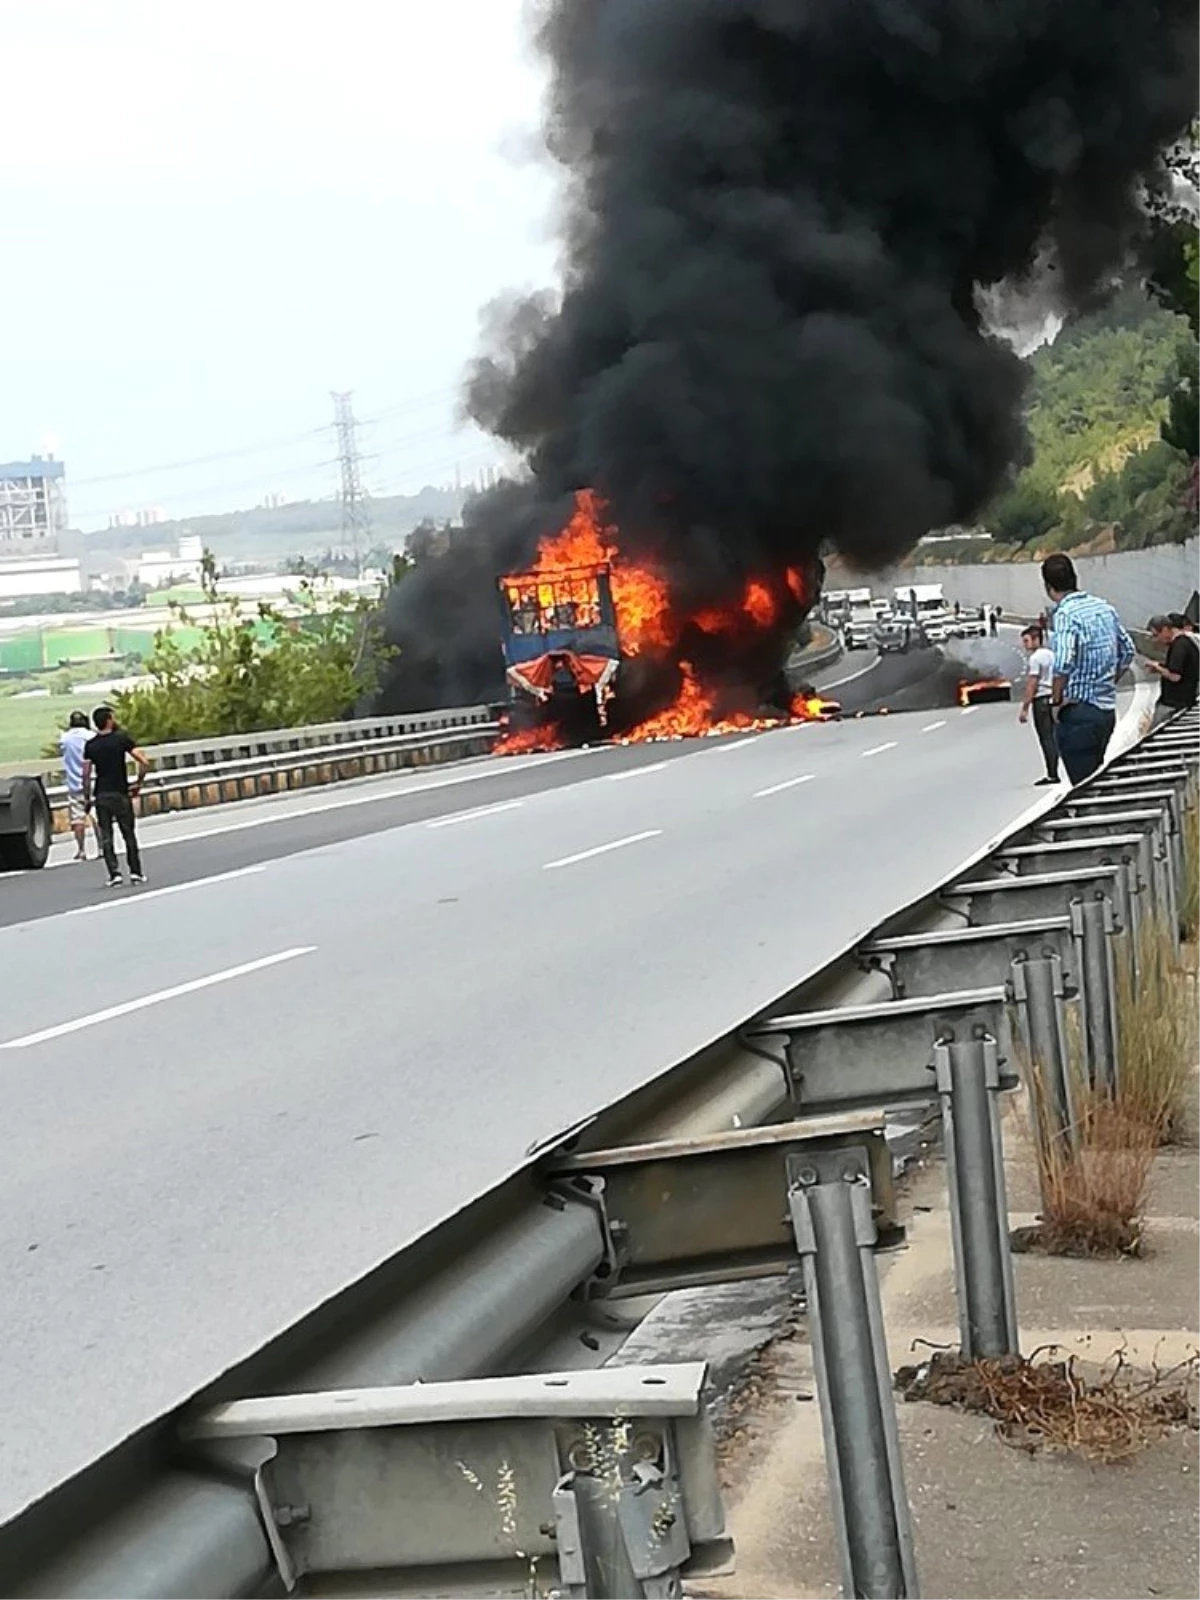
(560, 645)
(925, 604)
(858, 619)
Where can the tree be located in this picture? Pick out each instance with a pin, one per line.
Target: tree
(1181, 429)
(1023, 513)
(266, 668)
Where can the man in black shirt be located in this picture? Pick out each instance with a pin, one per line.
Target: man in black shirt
(105, 775)
(1179, 669)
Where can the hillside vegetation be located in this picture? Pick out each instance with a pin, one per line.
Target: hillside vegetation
(1113, 450)
(1099, 391)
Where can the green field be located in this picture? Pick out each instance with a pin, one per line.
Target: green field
(27, 726)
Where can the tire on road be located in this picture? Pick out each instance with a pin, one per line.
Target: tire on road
(26, 825)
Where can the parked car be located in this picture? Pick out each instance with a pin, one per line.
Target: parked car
(893, 636)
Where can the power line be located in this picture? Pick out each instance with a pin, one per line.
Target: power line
(356, 526)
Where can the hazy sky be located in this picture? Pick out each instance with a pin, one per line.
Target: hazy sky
(215, 213)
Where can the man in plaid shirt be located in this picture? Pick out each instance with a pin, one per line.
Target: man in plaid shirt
(1091, 651)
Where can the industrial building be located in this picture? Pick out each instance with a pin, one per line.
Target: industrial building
(33, 518)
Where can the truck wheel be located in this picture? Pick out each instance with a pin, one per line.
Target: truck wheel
(28, 849)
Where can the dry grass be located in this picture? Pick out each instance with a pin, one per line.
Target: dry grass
(1156, 1019)
(1093, 1175)
(1052, 1405)
(1189, 889)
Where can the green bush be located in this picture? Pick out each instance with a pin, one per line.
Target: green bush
(256, 669)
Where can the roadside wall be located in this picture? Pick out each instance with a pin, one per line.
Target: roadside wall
(1137, 582)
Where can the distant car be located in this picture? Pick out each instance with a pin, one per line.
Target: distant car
(969, 625)
(893, 636)
(857, 633)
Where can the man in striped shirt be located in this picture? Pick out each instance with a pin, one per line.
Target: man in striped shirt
(1091, 651)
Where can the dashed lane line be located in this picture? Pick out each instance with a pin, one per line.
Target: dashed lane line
(173, 993)
(788, 783)
(601, 849)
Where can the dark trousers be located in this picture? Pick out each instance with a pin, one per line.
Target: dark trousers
(117, 810)
(1083, 732)
(1043, 726)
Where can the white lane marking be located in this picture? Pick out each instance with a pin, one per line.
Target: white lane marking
(878, 749)
(345, 801)
(788, 783)
(140, 896)
(173, 993)
(861, 673)
(635, 772)
(967, 710)
(737, 744)
(470, 816)
(932, 727)
(601, 849)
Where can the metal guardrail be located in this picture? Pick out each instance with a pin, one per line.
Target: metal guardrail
(374, 1444)
(217, 782)
(267, 741)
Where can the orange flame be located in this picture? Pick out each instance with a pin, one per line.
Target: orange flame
(640, 595)
(646, 622)
(986, 688)
(528, 741)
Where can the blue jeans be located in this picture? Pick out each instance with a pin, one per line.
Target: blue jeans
(1082, 733)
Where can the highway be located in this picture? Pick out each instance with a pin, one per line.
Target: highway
(332, 1019)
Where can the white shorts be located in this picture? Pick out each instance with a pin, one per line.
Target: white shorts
(76, 810)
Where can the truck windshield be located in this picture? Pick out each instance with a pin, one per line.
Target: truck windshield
(570, 601)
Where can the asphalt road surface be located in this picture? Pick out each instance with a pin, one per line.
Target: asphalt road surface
(331, 1020)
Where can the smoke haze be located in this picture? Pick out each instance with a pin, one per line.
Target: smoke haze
(778, 218)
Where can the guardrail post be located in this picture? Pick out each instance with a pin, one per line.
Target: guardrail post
(1039, 992)
(829, 1198)
(1094, 926)
(968, 1080)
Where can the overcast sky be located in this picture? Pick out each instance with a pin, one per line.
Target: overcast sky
(214, 214)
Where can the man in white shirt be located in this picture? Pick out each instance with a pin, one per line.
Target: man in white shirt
(1039, 688)
(70, 748)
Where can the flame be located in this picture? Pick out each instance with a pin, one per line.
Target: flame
(814, 708)
(692, 716)
(640, 595)
(970, 694)
(647, 622)
(527, 741)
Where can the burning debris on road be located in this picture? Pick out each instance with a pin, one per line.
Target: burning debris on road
(779, 222)
(985, 692)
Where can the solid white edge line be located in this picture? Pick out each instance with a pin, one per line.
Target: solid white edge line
(861, 673)
(341, 803)
(634, 772)
(601, 849)
(139, 896)
(788, 783)
(967, 710)
(173, 993)
(877, 750)
(470, 816)
(932, 727)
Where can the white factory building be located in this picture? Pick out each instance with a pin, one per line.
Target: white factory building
(33, 517)
(157, 569)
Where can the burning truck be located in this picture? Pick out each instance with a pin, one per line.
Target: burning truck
(561, 650)
(596, 645)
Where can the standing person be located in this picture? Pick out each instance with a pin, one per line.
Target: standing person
(1179, 669)
(1185, 625)
(1039, 688)
(70, 749)
(1091, 651)
(993, 614)
(105, 755)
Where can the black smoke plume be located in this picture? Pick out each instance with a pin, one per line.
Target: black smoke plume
(776, 220)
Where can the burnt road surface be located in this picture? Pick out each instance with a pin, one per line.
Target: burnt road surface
(229, 1095)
